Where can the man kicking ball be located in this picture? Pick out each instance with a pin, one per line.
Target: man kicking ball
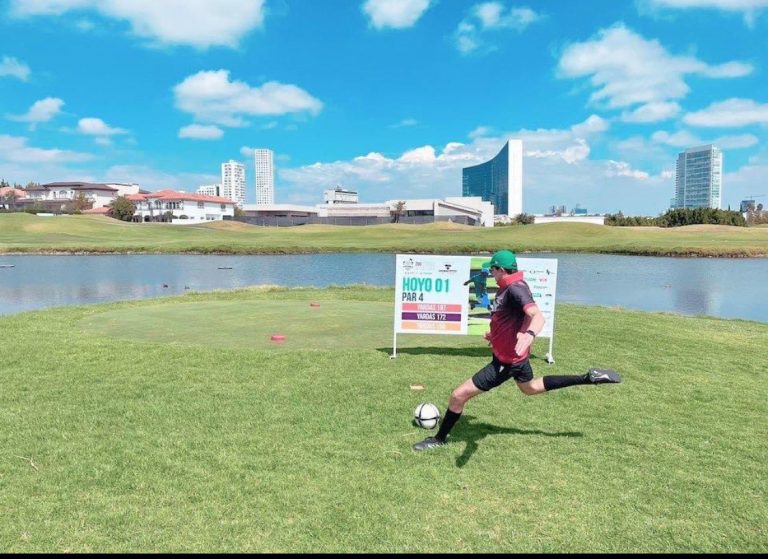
(515, 322)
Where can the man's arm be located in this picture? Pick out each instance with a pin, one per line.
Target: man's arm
(535, 323)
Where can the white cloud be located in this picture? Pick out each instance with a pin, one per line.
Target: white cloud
(730, 113)
(626, 69)
(15, 149)
(593, 125)
(749, 8)
(405, 122)
(153, 179)
(623, 169)
(12, 67)
(736, 142)
(652, 112)
(556, 168)
(97, 127)
(40, 111)
(211, 97)
(201, 132)
(199, 23)
(397, 14)
(748, 182)
(470, 35)
(684, 139)
(425, 154)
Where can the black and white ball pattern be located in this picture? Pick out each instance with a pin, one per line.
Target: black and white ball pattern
(426, 415)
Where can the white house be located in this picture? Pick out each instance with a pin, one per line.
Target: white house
(187, 208)
(99, 194)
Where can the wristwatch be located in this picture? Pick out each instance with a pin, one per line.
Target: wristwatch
(531, 332)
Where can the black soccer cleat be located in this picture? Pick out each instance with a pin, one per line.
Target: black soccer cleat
(602, 376)
(428, 443)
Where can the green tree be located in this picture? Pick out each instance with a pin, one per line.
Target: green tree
(524, 219)
(8, 199)
(239, 212)
(81, 202)
(397, 211)
(121, 208)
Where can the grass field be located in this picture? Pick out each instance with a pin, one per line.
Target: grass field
(176, 425)
(28, 233)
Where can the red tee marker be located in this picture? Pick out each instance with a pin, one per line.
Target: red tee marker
(277, 338)
(314, 304)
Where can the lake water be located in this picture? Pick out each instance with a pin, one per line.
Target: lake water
(722, 287)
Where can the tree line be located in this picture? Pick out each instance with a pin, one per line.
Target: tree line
(678, 217)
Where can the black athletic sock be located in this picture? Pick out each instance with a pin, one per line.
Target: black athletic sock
(451, 417)
(553, 382)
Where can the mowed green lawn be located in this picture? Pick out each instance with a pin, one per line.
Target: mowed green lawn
(176, 425)
(27, 233)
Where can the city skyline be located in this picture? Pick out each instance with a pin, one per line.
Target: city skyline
(396, 104)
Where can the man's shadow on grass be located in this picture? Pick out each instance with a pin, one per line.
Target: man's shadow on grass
(472, 433)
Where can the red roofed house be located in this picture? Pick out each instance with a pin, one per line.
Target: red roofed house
(9, 197)
(186, 207)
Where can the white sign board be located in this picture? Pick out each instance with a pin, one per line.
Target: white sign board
(430, 295)
(541, 276)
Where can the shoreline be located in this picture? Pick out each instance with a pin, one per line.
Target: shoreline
(108, 252)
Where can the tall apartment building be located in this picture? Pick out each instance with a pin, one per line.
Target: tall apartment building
(265, 176)
(699, 178)
(209, 190)
(498, 181)
(233, 181)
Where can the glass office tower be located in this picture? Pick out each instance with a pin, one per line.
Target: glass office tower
(699, 178)
(498, 181)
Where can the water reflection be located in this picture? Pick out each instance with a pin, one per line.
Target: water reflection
(730, 288)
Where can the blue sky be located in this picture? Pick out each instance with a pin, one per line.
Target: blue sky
(387, 97)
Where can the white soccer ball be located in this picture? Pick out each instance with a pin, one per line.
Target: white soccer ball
(426, 415)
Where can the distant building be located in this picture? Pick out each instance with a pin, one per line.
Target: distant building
(498, 181)
(59, 196)
(265, 176)
(233, 181)
(339, 195)
(124, 189)
(470, 211)
(185, 207)
(209, 190)
(558, 210)
(699, 178)
(593, 219)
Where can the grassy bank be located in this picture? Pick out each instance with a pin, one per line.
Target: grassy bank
(22, 233)
(177, 425)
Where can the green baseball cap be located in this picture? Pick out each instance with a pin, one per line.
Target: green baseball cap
(502, 259)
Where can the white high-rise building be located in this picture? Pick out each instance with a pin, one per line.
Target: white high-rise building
(265, 176)
(210, 190)
(233, 181)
